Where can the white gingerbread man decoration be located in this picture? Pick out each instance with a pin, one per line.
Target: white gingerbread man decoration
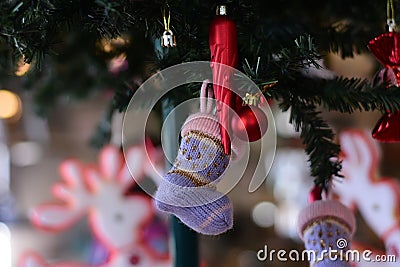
(377, 198)
(117, 220)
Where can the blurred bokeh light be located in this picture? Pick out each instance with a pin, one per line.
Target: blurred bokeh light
(10, 105)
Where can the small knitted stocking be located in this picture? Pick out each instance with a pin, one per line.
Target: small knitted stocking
(326, 227)
(188, 189)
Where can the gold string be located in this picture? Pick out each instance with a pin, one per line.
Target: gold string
(167, 21)
(390, 10)
(390, 16)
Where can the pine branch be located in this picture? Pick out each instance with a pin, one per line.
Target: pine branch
(348, 95)
(32, 28)
(318, 139)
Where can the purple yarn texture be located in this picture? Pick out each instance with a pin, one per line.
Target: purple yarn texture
(200, 162)
(330, 240)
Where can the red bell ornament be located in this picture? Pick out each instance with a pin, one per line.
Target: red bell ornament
(386, 49)
(250, 124)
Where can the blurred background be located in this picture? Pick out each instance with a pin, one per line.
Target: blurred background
(33, 146)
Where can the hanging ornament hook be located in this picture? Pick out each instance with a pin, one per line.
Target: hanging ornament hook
(390, 16)
(168, 38)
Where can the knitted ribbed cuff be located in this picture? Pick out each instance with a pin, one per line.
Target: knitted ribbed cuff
(202, 122)
(326, 209)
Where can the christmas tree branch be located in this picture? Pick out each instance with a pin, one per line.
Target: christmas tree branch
(33, 28)
(348, 95)
(318, 139)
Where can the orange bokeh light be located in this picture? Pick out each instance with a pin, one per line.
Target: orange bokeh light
(10, 105)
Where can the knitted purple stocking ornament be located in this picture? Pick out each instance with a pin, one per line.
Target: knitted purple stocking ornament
(188, 189)
(326, 227)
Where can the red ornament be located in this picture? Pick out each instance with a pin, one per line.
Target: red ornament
(250, 124)
(224, 50)
(386, 49)
(387, 129)
(315, 194)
